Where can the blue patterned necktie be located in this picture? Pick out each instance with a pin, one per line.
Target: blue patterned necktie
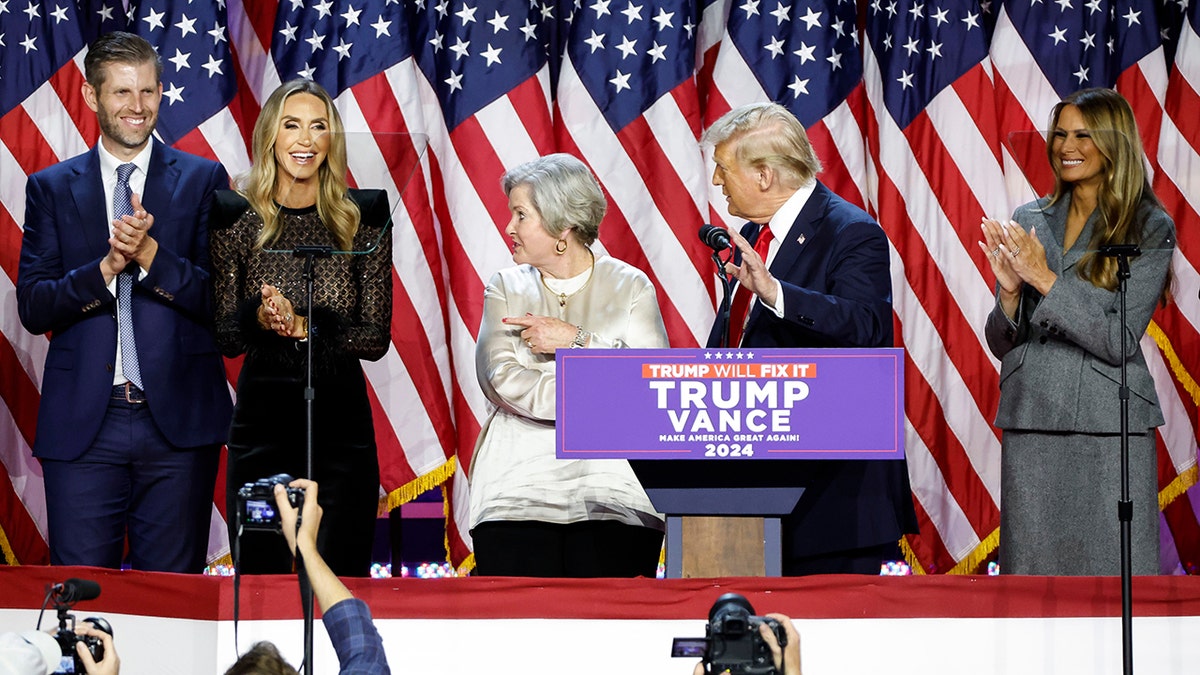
(123, 206)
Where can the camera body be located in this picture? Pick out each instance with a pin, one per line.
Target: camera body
(256, 502)
(67, 639)
(732, 641)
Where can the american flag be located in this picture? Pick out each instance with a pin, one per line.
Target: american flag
(805, 56)
(933, 140)
(1042, 51)
(628, 86)
(42, 119)
(1177, 183)
(627, 104)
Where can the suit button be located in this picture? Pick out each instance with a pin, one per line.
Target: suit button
(1045, 322)
(1043, 339)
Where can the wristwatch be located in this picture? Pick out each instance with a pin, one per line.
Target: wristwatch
(581, 338)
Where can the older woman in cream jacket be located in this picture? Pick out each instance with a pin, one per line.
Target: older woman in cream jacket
(531, 513)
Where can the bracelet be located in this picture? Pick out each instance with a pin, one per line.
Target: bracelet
(305, 326)
(581, 338)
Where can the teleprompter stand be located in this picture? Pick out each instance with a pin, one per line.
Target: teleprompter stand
(309, 254)
(1123, 252)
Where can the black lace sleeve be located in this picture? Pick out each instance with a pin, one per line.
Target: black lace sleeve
(366, 333)
(230, 241)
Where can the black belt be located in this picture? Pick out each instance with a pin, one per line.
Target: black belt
(129, 393)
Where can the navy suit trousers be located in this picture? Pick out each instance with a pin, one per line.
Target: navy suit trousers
(131, 483)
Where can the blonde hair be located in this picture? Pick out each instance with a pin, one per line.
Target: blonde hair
(337, 211)
(768, 134)
(1123, 185)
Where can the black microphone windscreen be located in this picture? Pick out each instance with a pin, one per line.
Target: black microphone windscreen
(715, 238)
(76, 590)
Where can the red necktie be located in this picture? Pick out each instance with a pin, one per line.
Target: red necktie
(743, 298)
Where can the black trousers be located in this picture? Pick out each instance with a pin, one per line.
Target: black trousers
(594, 548)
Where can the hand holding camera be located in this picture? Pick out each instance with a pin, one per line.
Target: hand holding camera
(94, 649)
(739, 643)
(304, 511)
(84, 646)
(256, 502)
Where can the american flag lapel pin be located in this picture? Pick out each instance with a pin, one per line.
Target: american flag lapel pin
(801, 239)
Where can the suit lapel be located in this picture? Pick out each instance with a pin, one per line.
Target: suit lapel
(1056, 232)
(804, 228)
(161, 178)
(87, 191)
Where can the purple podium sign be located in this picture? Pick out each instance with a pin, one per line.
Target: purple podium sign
(730, 404)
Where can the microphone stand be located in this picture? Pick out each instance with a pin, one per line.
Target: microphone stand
(309, 254)
(1123, 252)
(723, 309)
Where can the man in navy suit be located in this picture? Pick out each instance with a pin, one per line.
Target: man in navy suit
(114, 265)
(819, 278)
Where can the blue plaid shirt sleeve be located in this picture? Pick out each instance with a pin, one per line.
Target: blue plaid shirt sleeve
(358, 645)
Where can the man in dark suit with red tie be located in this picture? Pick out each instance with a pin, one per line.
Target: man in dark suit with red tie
(812, 271)
(114, 265)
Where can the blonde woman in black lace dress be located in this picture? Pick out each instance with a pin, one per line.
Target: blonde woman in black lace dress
(295, 194)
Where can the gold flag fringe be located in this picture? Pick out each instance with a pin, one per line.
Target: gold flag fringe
(1185, 378)
(1188, 478)
(468, 563)
(968, 565)
(10, 557)
(910, 556)
(409, 491)
(976, 558)
(1177, 487)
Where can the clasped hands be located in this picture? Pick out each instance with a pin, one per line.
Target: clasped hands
(1017, 257)
(277, 314)
(543, 334)
(130, 242)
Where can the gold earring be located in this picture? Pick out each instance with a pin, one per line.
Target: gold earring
(561, 246)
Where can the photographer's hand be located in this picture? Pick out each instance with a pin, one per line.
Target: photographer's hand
(304, 538)
(110, 664)
(787, 660)
(328, 589)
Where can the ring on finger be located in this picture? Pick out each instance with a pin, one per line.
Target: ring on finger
(529, 344)
(1015, 251)
(996, 252)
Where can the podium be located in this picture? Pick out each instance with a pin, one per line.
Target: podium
(713, 435)
(716, 530)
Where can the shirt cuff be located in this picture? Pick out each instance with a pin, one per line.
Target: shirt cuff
(777, 308)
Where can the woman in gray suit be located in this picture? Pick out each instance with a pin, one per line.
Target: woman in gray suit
(533, 514)
(1056, 326)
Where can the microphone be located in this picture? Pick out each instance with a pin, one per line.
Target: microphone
(715, 238)
(72, 591)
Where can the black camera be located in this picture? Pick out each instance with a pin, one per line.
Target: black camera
(732, 641)
(256, 502)
(67, 639)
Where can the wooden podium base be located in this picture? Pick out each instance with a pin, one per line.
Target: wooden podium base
(730, 531)
(723, 546)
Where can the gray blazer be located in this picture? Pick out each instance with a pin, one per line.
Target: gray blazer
(1061, 357)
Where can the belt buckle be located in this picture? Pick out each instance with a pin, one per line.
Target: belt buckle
(128, 392)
